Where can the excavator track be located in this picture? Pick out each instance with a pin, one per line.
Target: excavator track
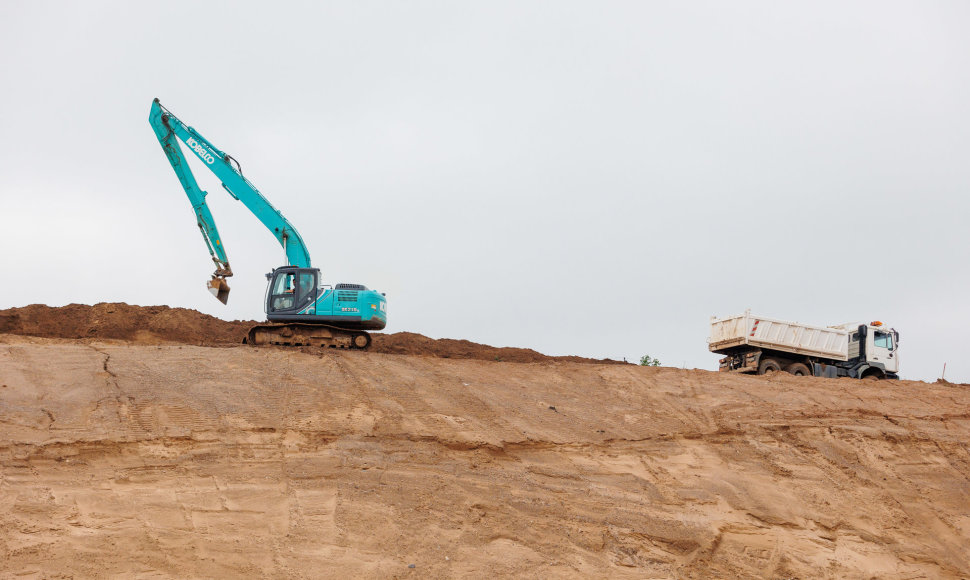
(316, 335)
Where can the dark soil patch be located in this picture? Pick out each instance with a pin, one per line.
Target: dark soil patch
(164, 324)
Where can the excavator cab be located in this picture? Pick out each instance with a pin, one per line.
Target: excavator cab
(291, 291)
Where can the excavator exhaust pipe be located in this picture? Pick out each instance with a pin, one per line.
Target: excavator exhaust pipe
(219, 288)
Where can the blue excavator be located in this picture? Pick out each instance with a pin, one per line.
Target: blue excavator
(301, 310)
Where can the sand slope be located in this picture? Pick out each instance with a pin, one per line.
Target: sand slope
(132, 460)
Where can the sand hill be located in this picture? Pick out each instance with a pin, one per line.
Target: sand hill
(146, 442)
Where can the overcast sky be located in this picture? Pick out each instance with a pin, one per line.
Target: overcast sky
(588, 178)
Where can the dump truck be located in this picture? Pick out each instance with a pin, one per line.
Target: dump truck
(760, 345)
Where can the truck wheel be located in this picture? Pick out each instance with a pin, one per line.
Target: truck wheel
(799, 370)
(768, 366)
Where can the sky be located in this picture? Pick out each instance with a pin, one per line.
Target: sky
(581, 178)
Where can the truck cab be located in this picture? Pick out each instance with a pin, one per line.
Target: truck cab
(883, 350)
(874, 346)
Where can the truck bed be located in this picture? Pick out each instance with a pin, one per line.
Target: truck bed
(727, 334)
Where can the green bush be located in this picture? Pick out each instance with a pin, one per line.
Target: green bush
(648, 361)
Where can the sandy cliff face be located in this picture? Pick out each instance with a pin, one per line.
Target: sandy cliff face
(137, 460)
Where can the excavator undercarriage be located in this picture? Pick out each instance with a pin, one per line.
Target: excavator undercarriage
(316, 335)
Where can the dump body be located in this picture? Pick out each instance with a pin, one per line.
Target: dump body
(748, 330)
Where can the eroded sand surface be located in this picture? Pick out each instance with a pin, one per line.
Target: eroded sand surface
(120, 459)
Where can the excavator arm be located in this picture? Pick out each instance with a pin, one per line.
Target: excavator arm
(167, 129)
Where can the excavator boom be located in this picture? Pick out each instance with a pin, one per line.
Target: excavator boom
(169, 129)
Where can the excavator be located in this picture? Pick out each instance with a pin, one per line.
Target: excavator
(300, 309)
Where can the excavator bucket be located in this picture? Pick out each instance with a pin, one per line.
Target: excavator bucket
(219, 289)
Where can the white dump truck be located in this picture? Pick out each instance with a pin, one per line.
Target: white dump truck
(756, 344)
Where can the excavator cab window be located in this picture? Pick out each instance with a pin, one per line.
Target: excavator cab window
(283, 296)
(306, 284)
(292, 290)
(307, 287)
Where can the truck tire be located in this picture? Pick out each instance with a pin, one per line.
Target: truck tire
(798, 369)
(768, 366)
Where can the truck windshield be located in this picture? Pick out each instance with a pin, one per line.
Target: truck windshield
(883, 340)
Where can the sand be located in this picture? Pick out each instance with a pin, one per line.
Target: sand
(120, 457)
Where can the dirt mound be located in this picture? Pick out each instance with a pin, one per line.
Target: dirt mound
(417, 344)
(117, 320)
(163, 324)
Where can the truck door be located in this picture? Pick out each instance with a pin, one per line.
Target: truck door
(883, 350)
